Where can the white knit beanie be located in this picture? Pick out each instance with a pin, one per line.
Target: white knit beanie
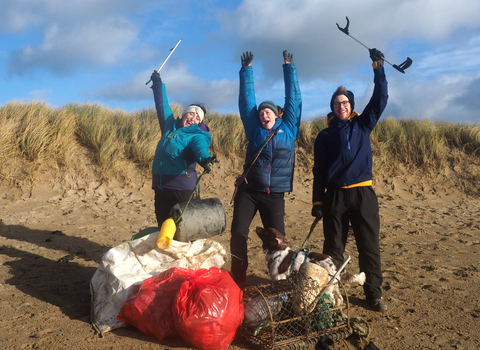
(194, 109)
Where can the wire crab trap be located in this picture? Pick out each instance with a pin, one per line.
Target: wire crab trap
(293, 314)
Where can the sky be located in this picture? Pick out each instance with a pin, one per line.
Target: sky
(104, 51)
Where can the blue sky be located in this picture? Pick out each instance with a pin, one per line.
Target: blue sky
(104, 51)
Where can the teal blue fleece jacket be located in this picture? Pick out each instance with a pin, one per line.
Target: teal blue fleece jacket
(179, 149)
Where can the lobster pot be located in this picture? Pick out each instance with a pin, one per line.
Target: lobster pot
(202, 219)
(292, 314)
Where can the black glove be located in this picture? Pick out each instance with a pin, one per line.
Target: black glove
(317, 212)
(247, 59)
(207, 164)
(377, 56)
(288, 57)
(156, 77)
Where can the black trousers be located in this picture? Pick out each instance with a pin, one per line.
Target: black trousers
(165, 200)
(246, 204)
(358, 206)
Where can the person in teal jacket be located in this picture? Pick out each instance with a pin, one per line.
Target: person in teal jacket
(267, 177)
(184, 143)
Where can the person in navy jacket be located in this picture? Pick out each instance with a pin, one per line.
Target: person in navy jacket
(342, 183)
(267, 177)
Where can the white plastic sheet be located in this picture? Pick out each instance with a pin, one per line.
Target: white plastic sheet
(126, 266)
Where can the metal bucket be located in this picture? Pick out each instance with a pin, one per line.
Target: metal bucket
(202, 219)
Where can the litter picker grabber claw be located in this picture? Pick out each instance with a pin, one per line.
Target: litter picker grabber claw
(166, 59)
(401, 68)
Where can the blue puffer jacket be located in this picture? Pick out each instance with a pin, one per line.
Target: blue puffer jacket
(273, 170)
(179, 149)
(343, 154)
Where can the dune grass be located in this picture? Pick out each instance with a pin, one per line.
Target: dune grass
(34, 135)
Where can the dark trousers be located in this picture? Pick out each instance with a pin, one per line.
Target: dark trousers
(246, 204)
(358, 206)
(165, 200)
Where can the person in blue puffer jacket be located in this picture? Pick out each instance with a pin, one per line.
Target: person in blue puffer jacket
(267, 177)
(342, 181)
(183, 144)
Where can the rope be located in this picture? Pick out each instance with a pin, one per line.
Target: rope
(189, 199)
(245, 173)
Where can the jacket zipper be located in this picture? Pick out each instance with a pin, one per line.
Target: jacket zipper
(271, 162)
(349, 137)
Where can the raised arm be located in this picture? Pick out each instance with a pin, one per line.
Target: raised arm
(375, 107)
(164, 112)
(293, 98)
(247, 104)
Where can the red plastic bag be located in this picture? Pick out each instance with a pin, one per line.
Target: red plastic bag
(149, 307)
(208, 309)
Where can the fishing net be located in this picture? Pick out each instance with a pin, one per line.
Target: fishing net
(293, 314)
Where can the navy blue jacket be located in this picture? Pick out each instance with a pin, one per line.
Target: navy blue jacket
(343, 153)
(273, 170)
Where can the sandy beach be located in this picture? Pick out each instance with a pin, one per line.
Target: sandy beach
(54, 230)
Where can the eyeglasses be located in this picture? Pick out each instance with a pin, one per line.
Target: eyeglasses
(343, 103)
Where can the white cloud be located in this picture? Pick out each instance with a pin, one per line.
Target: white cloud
(308, 29)
(442, 98)
(39, 95)
(326, 57)
(74, 34)
(453, 58)
(66, 51)
(19, 15)
(181, 87)
(93, 40)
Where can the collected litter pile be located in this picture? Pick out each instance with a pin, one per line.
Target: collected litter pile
(294, 314)
(125, 267)
(183, 291)
(169, 282)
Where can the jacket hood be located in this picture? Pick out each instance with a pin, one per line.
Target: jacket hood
(277, 123)
(204, 127)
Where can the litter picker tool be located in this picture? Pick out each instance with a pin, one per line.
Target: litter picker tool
(332, 280)
(166, 59)
(339, 271)
(315, 222)
(401, 68)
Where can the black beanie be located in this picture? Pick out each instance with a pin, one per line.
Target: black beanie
(349, 95)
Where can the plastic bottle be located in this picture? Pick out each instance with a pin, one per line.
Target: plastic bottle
(256, 310)
(165, 236)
